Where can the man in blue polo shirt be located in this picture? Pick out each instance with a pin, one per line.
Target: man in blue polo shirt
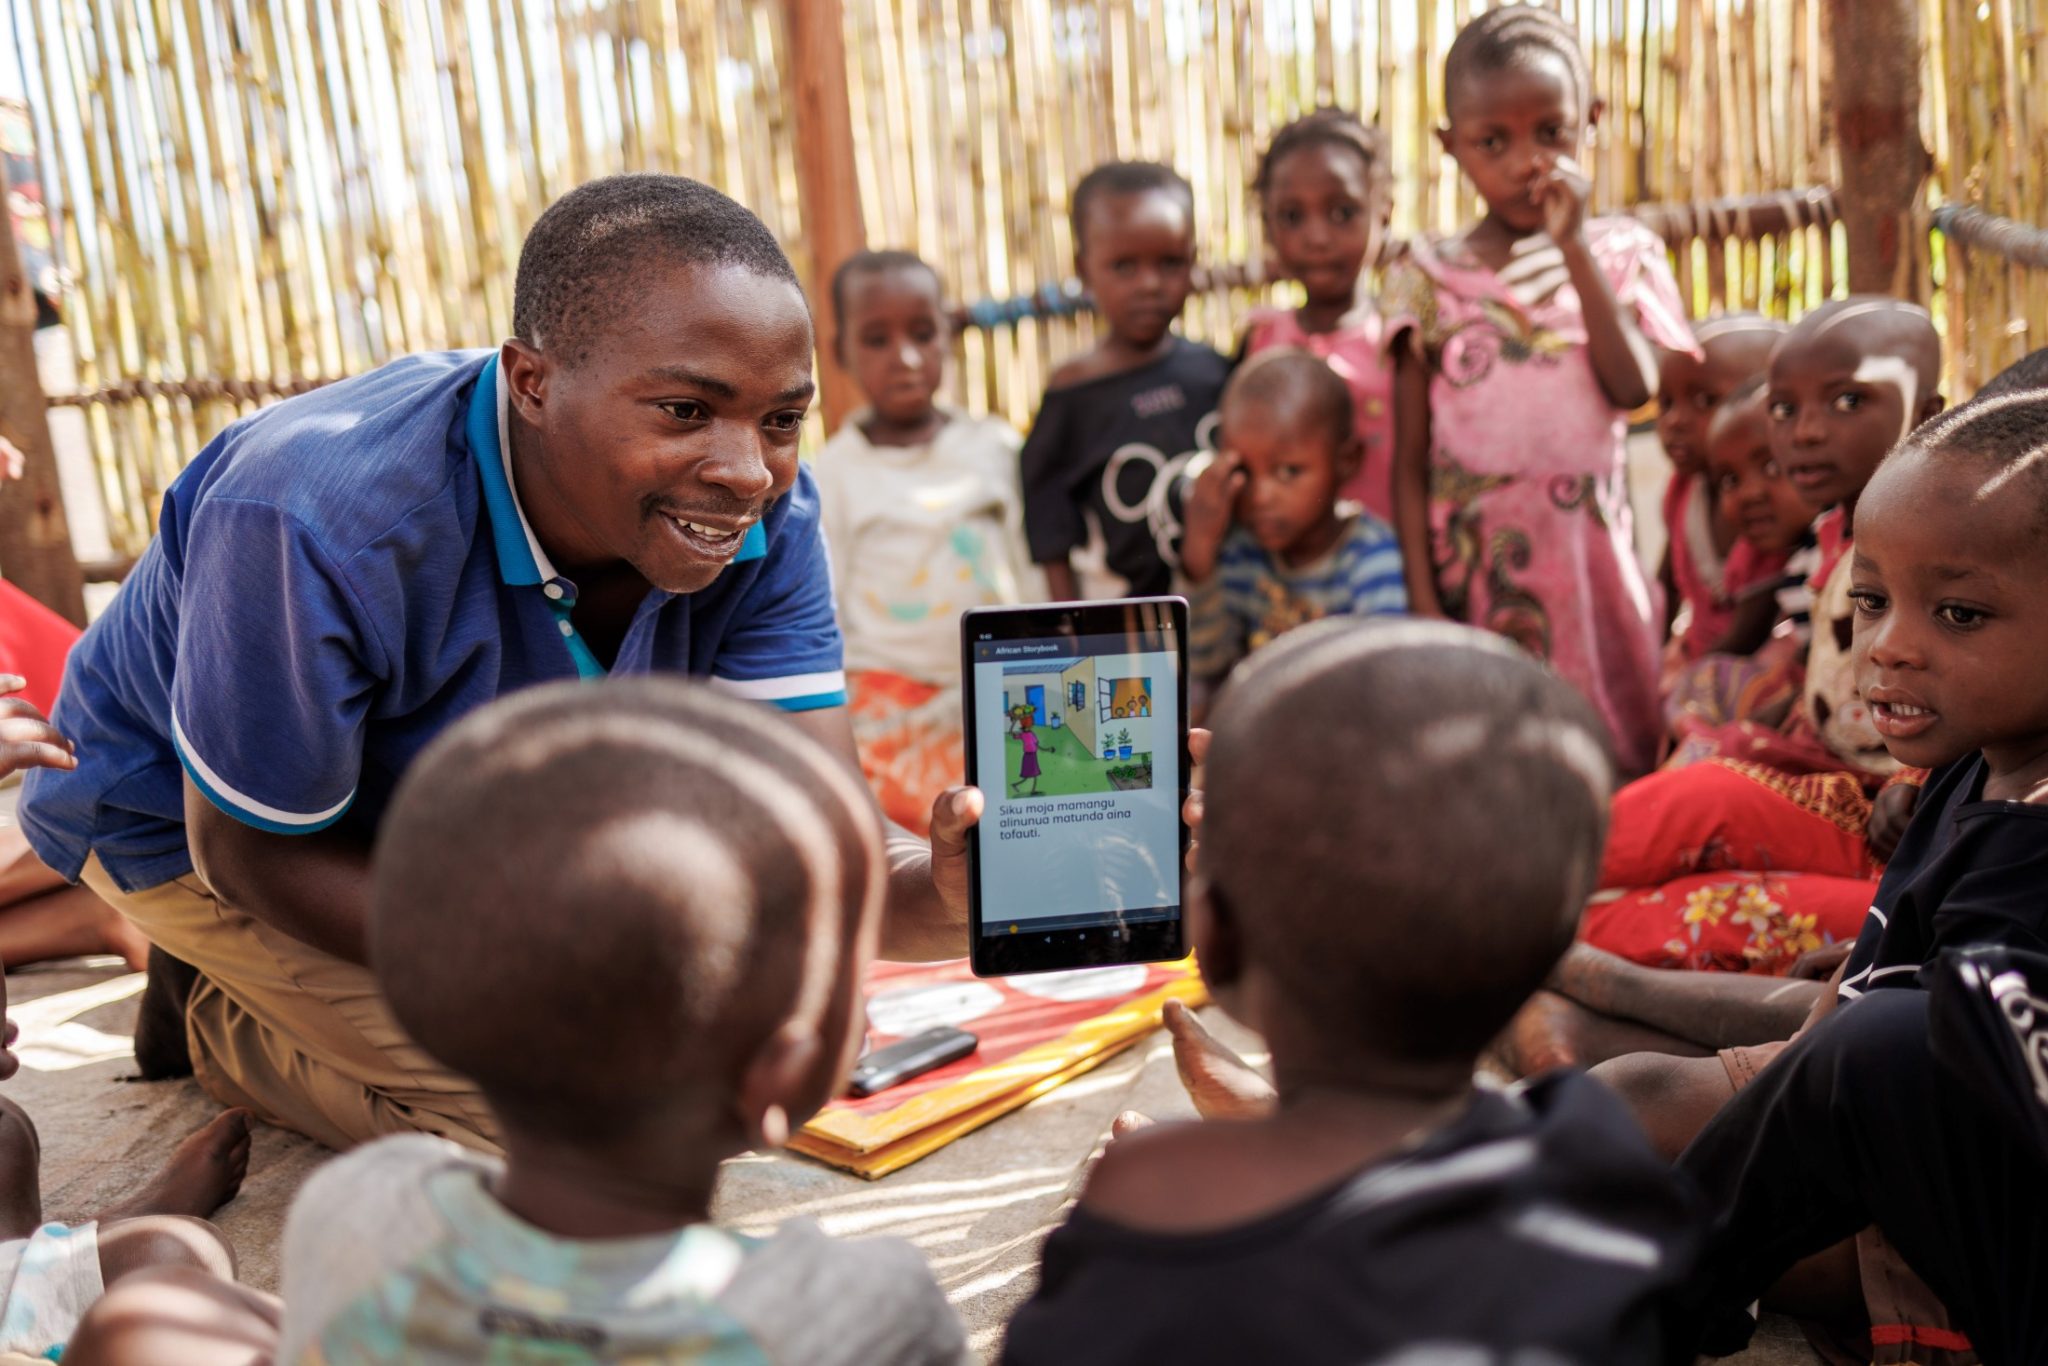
(338, 578)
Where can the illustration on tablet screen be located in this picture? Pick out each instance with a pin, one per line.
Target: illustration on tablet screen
(1071, 729)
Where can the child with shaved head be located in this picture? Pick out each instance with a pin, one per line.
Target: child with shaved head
(1383, 1204)
(1856, 1123)
(637, 915)
(1270, 541)
(1708, 570)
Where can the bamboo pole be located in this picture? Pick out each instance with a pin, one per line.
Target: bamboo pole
(1877, 127)
(35, 538)
(829, 188)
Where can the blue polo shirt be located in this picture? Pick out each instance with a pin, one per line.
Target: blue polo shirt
(335, 581)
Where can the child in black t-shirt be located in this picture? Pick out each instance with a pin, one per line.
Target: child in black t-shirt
(1118, 424)
(1355, 903)
(1950, 586)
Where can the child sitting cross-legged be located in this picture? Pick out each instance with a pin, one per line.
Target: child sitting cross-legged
(1269, 544)
(638, 915)
(1844, 1128)
(1382, 1207)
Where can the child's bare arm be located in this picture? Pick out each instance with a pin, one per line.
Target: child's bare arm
(1060, 585)
(1710, 1009)
(1755, 617)
(1623, 360)
(1411, 480)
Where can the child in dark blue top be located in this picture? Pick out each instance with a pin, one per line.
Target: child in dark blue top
(1381, 1207)
(1855, 1123)
(1119, 423)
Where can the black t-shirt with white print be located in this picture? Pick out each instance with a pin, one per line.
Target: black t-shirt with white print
(1099, 449)
(1968, 873)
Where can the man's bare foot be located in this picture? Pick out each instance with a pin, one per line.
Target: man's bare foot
(1221, 1084)
(203, 1174)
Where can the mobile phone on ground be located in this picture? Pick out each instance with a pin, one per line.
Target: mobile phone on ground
(1077, 735)
(906, 1058)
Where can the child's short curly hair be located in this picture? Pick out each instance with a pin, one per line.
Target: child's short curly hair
(1329, 127)
(1116, 178)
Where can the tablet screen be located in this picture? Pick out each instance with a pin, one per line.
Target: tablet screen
(1078, 740)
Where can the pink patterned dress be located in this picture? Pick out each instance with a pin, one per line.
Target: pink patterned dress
(1530, 529)
(1358, 353)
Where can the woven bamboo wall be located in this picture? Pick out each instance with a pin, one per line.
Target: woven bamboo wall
(255, 196)
(1988, 121)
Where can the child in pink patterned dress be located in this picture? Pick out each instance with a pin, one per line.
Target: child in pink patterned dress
(1520, 346)
(1325, 188)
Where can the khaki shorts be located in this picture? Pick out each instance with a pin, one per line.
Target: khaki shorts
(298, 1036)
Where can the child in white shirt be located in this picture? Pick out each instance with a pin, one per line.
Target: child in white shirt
(922, 520)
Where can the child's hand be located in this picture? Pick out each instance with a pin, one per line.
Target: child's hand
(1211, 504)
(1561, 192)
(1890, 814)
(27, 740)
(1191, 809)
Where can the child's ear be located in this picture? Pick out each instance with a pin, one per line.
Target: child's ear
(1595, 111)
(1931, 406)
(1213, 934)
(1443, 140)
(839, 349)
(775, 1077)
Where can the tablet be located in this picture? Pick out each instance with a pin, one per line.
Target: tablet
(1076, 726)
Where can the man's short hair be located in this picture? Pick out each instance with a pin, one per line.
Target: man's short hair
(585, 254)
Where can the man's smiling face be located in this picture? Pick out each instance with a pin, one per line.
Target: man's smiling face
(674, 431)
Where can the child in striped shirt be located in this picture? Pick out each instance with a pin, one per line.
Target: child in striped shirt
(1269, 544)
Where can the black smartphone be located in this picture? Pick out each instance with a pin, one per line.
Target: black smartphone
(906, 1058)
(1077, 735)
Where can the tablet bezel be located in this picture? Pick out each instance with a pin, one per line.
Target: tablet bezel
(1097, 946)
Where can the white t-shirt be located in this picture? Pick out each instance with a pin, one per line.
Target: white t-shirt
(919, 534)
(399, 1252)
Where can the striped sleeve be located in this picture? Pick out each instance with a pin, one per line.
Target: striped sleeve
(1372, 570)
(1220, 610)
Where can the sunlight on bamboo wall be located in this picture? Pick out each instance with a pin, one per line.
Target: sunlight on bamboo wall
(277, 194)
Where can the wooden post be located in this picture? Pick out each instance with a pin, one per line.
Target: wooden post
(35, 539)
(830, 191)
(1877, 50)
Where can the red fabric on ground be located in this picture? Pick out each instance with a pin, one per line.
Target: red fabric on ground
(1739, 921)
(34, 643)
(1725, 814)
